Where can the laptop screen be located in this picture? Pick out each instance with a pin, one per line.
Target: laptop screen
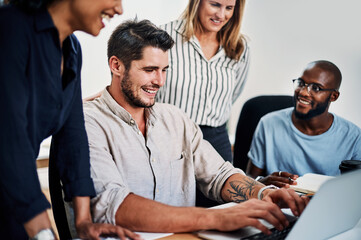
(333, 210)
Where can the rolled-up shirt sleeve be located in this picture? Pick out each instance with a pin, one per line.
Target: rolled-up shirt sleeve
(211, 170)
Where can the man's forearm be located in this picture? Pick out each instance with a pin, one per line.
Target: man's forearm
(239, 188)
(140, 214)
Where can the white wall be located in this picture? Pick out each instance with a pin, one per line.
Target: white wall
(287, 34)
(284, 36)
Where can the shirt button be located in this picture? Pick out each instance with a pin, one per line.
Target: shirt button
(139, 133)
(157, 191)
(132, 121)
(153, 159)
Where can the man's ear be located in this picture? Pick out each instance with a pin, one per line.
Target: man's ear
(116, 66)
(334, 96)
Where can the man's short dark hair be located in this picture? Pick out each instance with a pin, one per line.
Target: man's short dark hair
(130, 38)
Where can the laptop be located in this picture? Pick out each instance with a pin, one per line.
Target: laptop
(334, 211)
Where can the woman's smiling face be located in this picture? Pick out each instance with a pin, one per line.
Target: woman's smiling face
(89, 14)
(214, 14)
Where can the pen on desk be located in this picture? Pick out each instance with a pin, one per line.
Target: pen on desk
(290, 179)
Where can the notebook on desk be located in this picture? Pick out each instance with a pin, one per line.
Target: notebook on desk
(334, 209)
(310, 183)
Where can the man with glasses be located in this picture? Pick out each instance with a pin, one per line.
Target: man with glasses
(307, 137)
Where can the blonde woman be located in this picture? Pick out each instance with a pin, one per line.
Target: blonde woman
(208, 66)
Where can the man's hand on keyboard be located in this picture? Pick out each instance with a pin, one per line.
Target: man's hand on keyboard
(286, 198)
(246, 214)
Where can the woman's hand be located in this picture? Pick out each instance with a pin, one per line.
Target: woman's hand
(86, 229)
(93, 231)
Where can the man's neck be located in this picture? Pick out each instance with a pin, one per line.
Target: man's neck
(137, 113)
(313, 126)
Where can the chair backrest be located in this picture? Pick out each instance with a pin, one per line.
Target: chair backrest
(57, 202)
(251, 113)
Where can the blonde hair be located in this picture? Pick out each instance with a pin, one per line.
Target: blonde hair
(229, 36)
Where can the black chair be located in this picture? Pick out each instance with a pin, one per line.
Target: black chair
(57, 202)
(251, 113)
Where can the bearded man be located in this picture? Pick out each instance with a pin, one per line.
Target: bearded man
(306, 138)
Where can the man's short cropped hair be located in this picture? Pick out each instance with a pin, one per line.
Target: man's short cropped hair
(130, 38)
(330, 67)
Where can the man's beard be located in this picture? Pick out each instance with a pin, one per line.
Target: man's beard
(320, 108)
(126, 85)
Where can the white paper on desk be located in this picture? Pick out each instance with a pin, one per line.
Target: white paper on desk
(145, 236)
(310, 182)
(151, 236)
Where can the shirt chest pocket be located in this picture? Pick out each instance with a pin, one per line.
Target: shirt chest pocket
(181, 174)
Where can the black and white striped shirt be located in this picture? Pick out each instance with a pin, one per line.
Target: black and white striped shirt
(204, 89)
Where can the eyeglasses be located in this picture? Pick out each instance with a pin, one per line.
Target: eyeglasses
(312, 88)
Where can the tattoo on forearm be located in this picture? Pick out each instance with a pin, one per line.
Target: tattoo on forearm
(242, 190)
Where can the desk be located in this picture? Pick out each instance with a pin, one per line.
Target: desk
(43, 157)
(42, 162)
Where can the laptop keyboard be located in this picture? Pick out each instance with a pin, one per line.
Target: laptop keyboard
(275, 235)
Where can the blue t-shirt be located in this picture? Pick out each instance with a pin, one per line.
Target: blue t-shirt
(278, 145)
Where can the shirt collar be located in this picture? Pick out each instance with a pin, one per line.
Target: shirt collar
(71, 53)
(43, 20)
(124, 114)
(179, 28)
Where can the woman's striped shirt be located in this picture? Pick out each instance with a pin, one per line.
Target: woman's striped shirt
(204, 89)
